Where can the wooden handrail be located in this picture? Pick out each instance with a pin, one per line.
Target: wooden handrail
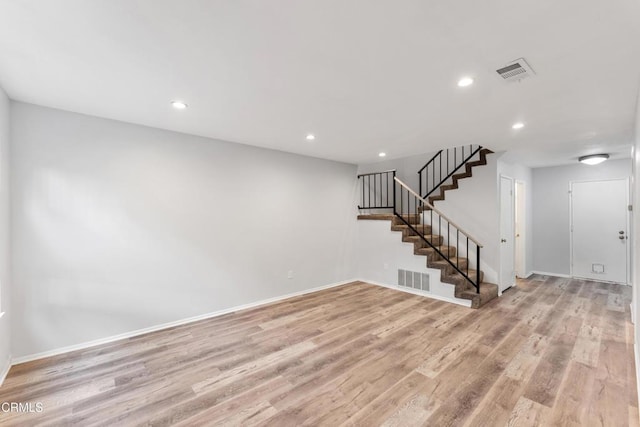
(406, 187)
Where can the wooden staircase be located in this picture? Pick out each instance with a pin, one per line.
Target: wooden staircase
(463, 289)
(468, 173)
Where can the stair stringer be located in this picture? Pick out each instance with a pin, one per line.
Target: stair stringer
(377, 245)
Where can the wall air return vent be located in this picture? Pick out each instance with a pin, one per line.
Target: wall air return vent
(516, 71)
(413, 279)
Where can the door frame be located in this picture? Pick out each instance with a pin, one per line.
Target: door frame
(512, 206)
(628, 223)
(523, 223)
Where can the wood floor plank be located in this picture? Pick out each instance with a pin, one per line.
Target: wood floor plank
(528, 413)
(551, 351)
(568, 410)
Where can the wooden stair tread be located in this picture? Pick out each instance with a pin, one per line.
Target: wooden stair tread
(458, 262)
(428, 250)
(377, 217)
(488, 292)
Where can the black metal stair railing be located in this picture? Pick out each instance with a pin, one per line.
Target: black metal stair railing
(378, 190)
(442, 166)
(449, 242)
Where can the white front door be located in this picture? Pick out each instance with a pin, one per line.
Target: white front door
(507, 235)
(599, 239)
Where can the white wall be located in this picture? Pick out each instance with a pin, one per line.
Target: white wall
(5, 273)
(119, 227)
(551, 247)
(522, 173)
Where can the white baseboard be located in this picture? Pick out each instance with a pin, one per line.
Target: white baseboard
(527, 275)
(5, 370)
(464, 303)
(546, 273)
(85, 345)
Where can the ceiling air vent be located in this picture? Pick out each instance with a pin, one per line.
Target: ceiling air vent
(516, 71)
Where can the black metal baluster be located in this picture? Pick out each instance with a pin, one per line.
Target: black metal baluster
(477, 268)
(447, 162)
(467, 256)
(434, 177)
(381, 204)
(374, 191)
(387, 186)
(415, 204)
(368, 192)
(448, 240)
(394, 192)
(457, 248)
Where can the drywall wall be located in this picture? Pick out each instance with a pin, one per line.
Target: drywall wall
(5, 272)
(551, 246)
(524, 174)
(119, 227)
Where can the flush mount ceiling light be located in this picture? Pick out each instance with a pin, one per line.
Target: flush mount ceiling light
(179, 105)
(310, 137)
(593, 159)
(381, 154)
(517, 126)
(465, 81)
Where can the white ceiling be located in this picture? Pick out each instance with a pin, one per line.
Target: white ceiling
(364, 75)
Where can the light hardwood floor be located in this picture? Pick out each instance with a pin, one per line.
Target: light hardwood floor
(549, 352)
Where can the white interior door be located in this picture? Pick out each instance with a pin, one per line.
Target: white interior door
(520, 221)
(599, 240)
(507, 234)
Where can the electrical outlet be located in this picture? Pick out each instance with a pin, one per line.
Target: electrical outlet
(290, 274)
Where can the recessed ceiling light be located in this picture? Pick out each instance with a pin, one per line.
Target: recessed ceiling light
(381, 154)
(311, 137)
(179, 105)
(593, 159)
(518, 125)
(465, 81)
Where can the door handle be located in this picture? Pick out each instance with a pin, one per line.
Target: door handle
(621, 237)
(503, 240)
(620, 232)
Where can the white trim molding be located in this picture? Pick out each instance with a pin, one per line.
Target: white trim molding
(546, 273)
(106, 340)
(529, 274)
